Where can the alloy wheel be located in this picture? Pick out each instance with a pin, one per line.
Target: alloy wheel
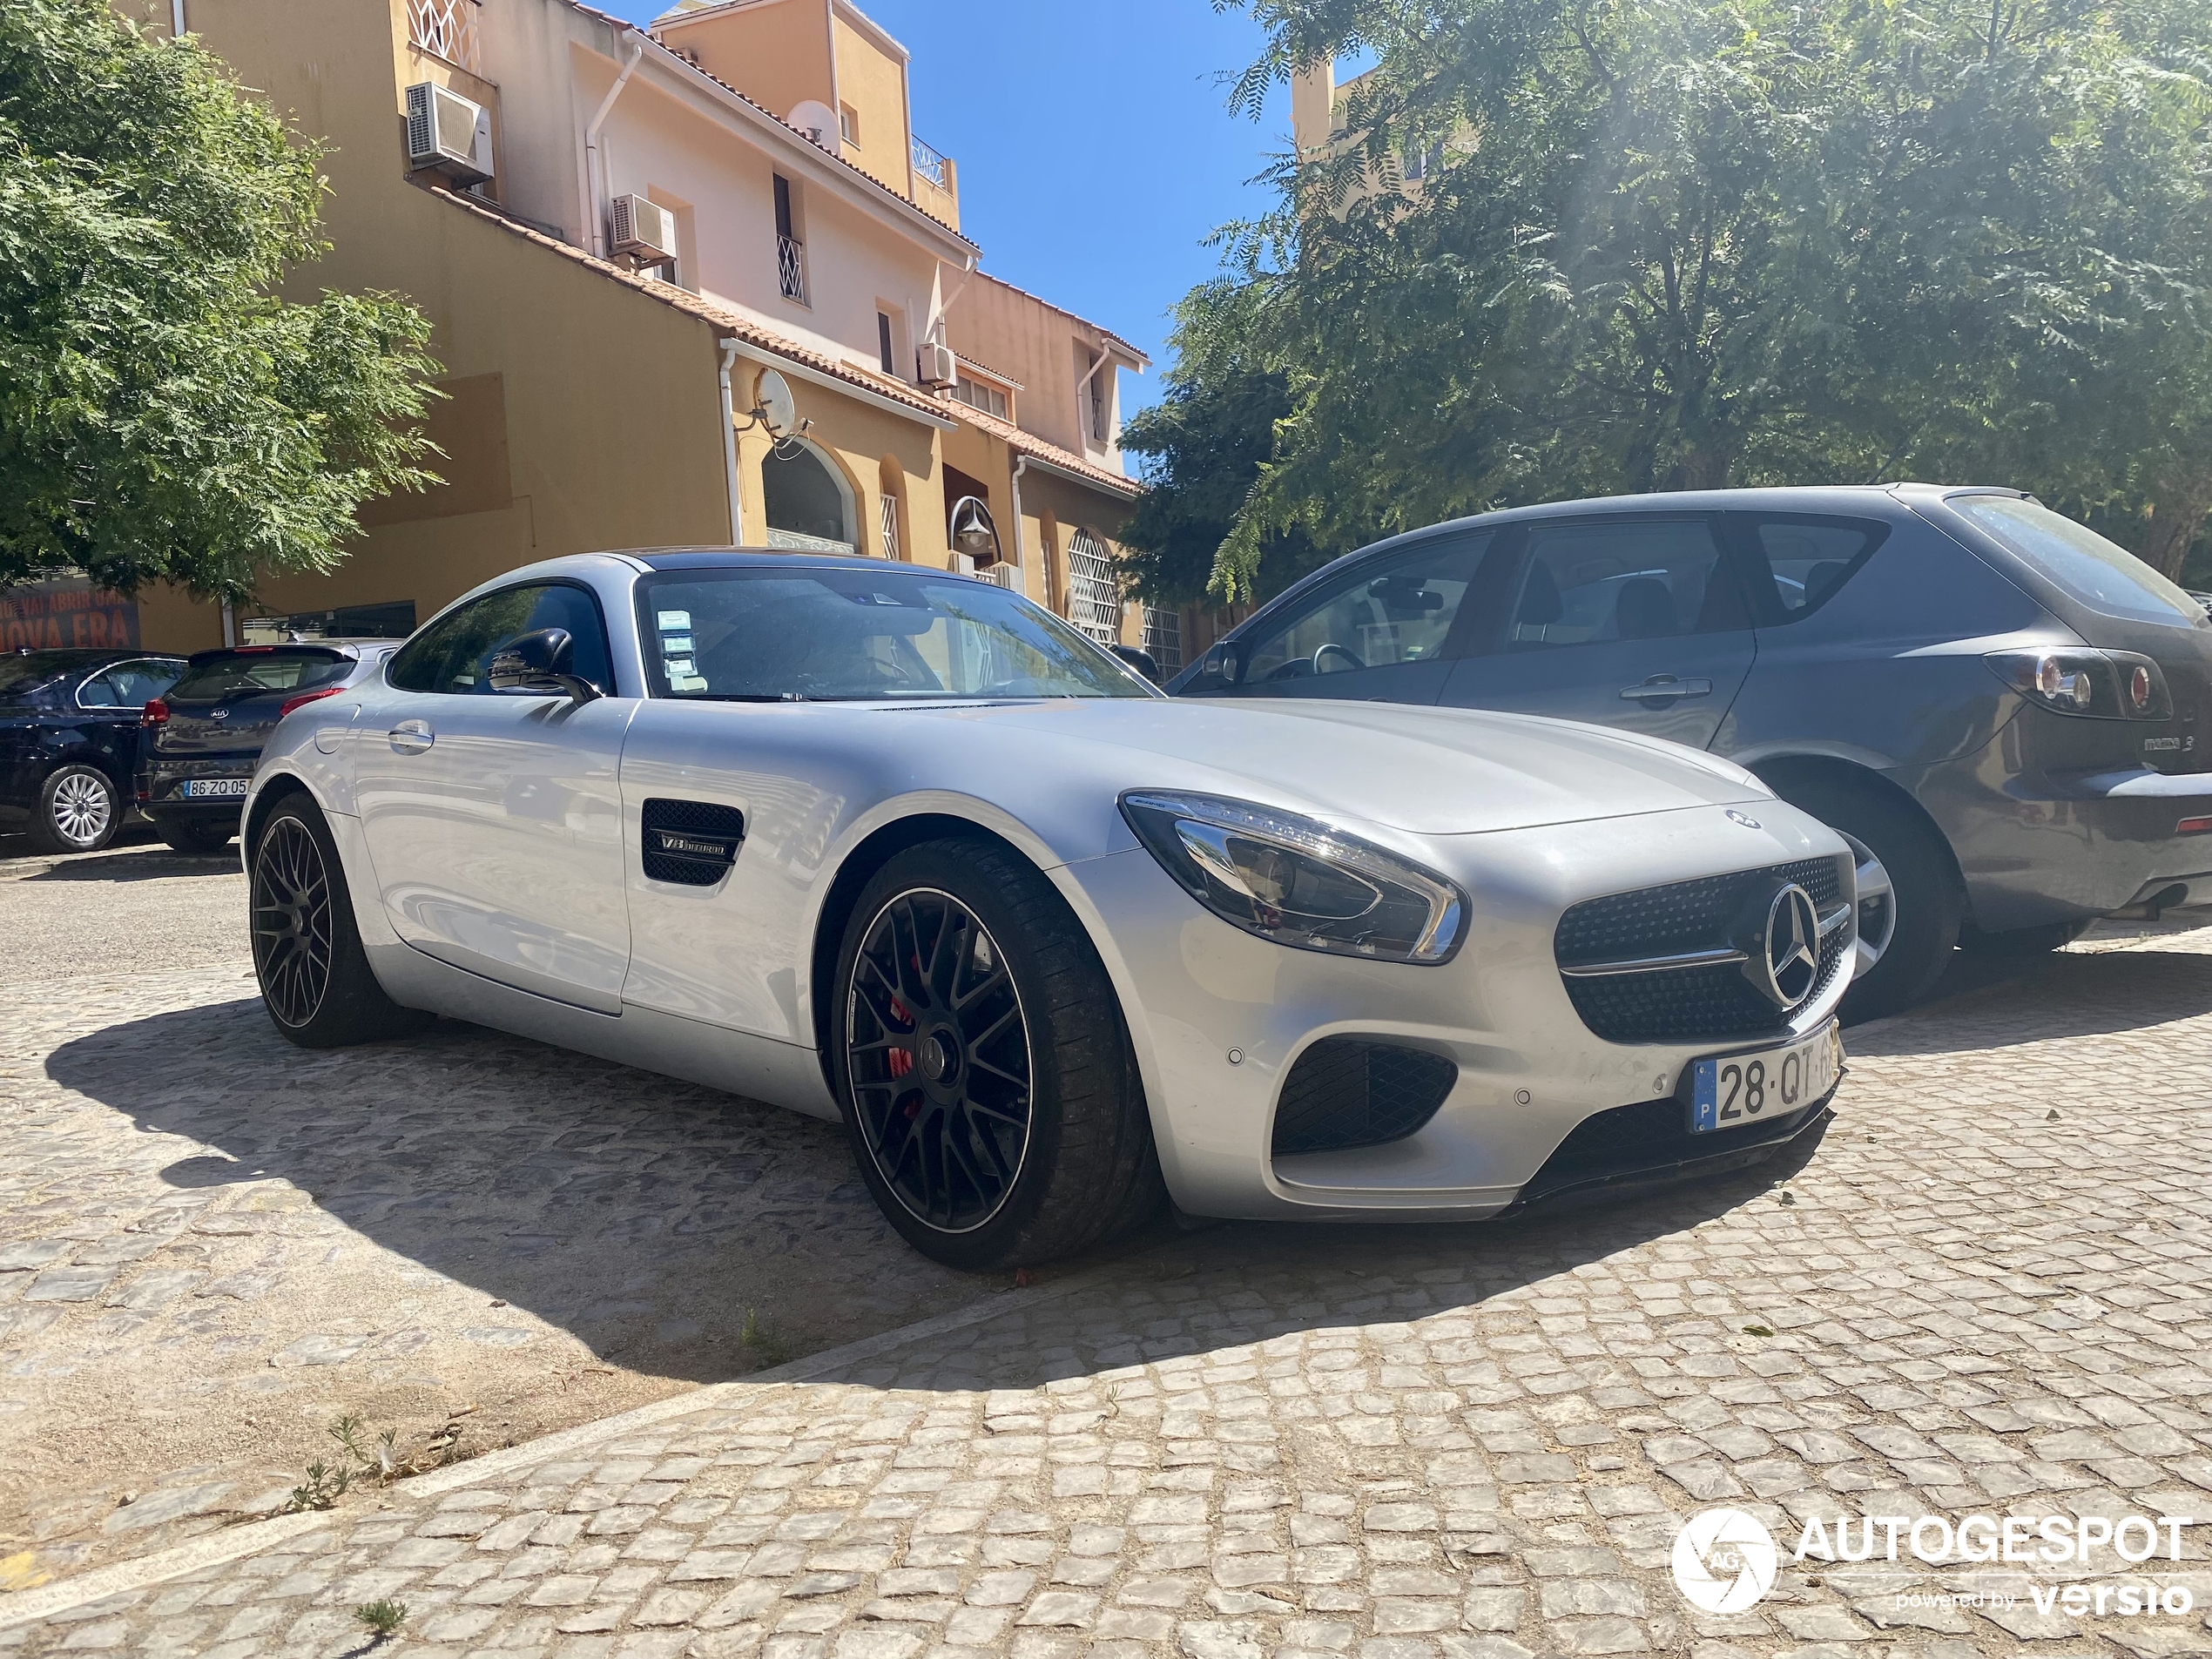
(938, 1051)
(82, 809)
(1877, 907)
(292, 921)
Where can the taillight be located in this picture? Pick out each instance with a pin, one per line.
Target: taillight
(156, 712)
(2194, 826)
(291, 703)
(2102, 685)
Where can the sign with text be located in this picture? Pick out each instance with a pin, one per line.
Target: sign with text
(65, 613)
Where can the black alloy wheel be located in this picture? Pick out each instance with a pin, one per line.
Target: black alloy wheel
(293, 927)
(938, 1050)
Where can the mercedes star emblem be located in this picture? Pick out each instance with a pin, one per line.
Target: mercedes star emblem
(1784, 962)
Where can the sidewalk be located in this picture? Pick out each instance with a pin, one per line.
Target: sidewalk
(1404, 1442)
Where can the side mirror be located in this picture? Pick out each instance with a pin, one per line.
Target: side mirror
(541, 664)
(1224, 664)
(1143, 661)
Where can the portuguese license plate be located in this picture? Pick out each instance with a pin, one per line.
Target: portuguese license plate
(1732, 1091)
(206, 788)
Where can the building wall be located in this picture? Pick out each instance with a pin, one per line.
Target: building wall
(1044, 348)
(777, 52)
(872, 82)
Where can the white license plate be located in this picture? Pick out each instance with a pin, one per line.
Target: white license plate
(1738, 1089)
(202, 788)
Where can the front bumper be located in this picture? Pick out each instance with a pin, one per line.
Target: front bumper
(1218, 1018)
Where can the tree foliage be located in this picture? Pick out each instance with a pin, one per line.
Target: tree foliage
(164, 412)
(1679, 244)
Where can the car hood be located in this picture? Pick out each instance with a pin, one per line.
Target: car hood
(1428, 772)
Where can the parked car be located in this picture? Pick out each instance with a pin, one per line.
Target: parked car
(69, 724)
(2002, 711)
(202, 739)
(896, 847)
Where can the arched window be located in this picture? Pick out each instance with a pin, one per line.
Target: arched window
(808, 502)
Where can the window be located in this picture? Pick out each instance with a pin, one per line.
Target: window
(127, 686)
(2101, 575)
(888, 511)
(767, 635)
(212, 679)
(808, 504)
(1382, 615)
(1164, 639)
(1094, 597)
(791, 247)
(454, 654)
(848, 123)
(982, 395)
(888, 352)
(1595, 583)
(1809, 559)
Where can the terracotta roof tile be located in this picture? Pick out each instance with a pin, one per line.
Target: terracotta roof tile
(734, 322)
(1028, 443)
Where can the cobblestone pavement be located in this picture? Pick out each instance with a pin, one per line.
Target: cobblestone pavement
(212, 1243)
(1988, 1290)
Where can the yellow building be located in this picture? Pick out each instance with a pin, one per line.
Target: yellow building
(630, 242)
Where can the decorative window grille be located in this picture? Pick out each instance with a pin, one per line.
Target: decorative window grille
(929, 165)
(791, 268)
(1164, 639)
(447, 27)
(1094, 597)
(888, 514)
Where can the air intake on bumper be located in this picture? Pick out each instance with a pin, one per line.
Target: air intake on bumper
(1346, 1092)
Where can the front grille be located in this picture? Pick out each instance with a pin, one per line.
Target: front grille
(1685, 1004)
(1346, 1092)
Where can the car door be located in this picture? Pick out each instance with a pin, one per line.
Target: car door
(494, 820)
(1636, 623)
(1381, 630)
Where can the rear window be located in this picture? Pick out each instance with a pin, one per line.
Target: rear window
(215, 679)
(2102, 575)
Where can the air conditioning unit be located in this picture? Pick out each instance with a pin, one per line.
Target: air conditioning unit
(643, 229)
(447, 133)
(936, 365)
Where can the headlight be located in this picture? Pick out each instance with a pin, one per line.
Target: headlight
(1299, 883)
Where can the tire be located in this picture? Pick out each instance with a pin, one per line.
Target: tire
(1930, 901)
(315, 980)
(2022, 941)
(197, 839)
(78, 811)
(1000, 1036)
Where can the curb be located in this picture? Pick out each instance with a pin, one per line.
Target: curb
(229, 1544)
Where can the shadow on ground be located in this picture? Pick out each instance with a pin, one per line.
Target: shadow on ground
(2073, 993)
(149, 864)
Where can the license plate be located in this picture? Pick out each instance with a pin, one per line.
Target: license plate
(203, 788)
(1736, 1089)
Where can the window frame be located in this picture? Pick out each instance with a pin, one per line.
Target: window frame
(77, 691)
(1503, 587)
(1755, 569)
(606, 634)
(1327, 591)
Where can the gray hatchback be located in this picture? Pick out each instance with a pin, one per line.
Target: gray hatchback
(2003, 711)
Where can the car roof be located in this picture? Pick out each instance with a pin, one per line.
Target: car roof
(740, 558)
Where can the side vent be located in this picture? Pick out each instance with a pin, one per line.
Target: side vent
(1347, 1092)
(691, 842)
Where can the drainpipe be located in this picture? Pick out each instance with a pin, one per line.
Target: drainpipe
(1082, 404)
(177, 19)
(230, 616)
(594, 163)
(1020, 466)
(730, 442)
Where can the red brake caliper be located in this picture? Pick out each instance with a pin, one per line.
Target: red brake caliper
(901, 1060)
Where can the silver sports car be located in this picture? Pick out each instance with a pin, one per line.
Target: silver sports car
(896, 847)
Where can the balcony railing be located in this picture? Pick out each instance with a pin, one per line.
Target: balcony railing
(791, 268)
(445, 27)
(929, 165)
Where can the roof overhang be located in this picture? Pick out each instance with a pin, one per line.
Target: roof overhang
(775, 360)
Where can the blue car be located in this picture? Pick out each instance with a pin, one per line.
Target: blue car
(2004, 712)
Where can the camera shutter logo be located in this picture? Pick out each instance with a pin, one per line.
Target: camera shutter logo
(1724, 1561)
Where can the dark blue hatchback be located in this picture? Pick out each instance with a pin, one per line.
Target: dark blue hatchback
(2005, 713)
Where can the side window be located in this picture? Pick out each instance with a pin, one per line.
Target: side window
(1383, 616)
(128, 685)
(1807, 559)
(454, 654)
(1594, 583)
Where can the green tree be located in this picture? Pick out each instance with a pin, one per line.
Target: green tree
(1670, 244)
(163, 412)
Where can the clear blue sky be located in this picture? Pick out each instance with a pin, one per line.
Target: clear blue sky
(1096, 146)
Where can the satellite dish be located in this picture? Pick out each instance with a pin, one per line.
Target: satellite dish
(817, 120)
(779, 414)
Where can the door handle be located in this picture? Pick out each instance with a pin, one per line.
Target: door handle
(412, 737)
(1665, 688)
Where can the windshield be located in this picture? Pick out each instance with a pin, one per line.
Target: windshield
(23, 672)
(769, 635)
(2101, 575)
(212, 679)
